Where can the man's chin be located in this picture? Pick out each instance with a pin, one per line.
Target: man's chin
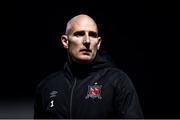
(84, 59)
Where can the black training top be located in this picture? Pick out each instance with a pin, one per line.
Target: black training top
(95, 90)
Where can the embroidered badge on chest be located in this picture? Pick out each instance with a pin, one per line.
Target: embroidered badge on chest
(94, 91)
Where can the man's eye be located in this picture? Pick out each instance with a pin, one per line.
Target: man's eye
(93, 34)
(79, 34)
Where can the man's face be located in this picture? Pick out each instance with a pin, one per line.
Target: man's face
(83, 41)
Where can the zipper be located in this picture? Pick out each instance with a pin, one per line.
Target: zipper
(72, 90)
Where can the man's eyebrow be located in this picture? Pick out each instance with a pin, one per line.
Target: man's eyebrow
(91, 33)
(79, 32)
(85, 31)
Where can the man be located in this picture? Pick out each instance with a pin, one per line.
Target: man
(89, 86)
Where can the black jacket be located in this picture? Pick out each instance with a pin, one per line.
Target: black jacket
(95, 90)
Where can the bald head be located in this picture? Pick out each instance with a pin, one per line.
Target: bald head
(80, 20)
(81, 39)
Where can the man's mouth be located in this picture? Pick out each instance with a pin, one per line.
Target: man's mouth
(85, 50)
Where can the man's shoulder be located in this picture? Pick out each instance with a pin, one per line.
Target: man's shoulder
(115, 70)
(118, 74)
(50, 79)
(53, 75)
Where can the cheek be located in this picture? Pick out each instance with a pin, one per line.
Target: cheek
(95, 45)
(74, 46)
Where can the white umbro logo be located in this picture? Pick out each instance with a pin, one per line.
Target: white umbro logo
(52, 103)
(52, 95)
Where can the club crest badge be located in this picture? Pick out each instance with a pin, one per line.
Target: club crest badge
(94, 91)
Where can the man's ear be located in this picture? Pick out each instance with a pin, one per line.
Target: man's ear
(99, 42)
(64, 41)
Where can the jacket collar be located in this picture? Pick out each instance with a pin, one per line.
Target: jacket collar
(101, 61)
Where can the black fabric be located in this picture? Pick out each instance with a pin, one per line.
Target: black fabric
(94, 90)
(101, 61)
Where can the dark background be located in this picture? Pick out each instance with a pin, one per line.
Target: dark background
(142, 38)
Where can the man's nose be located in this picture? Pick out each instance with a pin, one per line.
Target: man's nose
(86, 38)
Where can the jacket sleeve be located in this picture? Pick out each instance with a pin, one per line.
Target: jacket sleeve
(126, 99)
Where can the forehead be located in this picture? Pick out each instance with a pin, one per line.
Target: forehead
(83, 24)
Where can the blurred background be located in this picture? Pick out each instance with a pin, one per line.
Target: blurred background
(142, 38)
